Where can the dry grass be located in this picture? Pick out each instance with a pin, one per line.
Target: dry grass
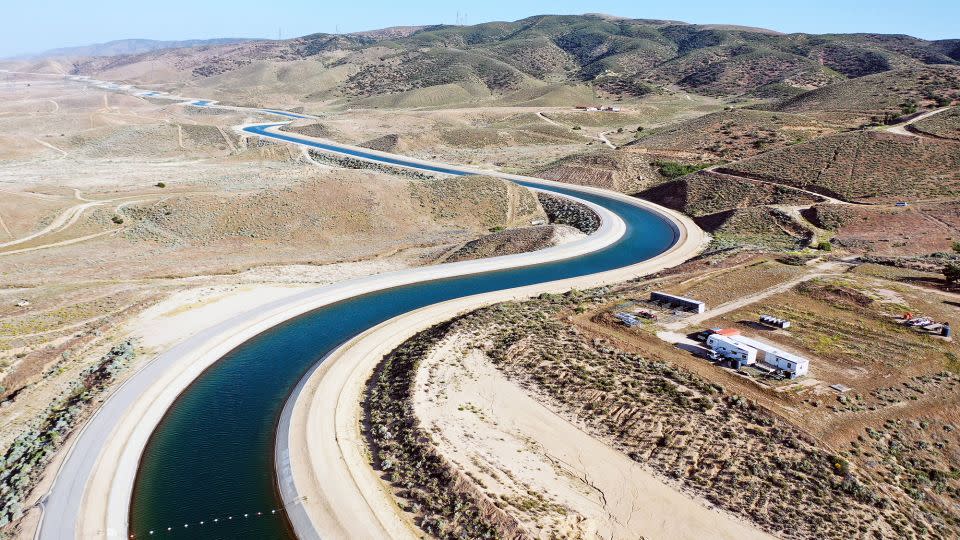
(945, 124)
(863, 166)
(733, 135)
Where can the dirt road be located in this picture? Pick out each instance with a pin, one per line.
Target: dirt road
(902, 129)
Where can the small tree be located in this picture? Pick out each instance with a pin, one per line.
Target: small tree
(951, 273)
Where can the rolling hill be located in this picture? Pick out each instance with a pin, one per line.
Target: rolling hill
(133, 46)
(497, 61)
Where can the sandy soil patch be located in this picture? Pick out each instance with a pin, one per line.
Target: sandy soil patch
(558, 480)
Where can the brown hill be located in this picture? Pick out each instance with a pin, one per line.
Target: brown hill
(889, 93)
(619, 171)
(731, 135)
(919, 229)
(757, 226)
(706, 193)
(330, 217)
(442, 65)
(863, 166)
(945, 125)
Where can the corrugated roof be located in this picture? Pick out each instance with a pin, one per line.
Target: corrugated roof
(727, 332)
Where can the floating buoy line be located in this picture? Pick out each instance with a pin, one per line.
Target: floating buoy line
(205, 523)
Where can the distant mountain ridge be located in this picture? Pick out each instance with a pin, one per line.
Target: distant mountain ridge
(133, 46)
(540, 59)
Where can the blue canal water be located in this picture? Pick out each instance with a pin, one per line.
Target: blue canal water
(284, 113)
(212, 455)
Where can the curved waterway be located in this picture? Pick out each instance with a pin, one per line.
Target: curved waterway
(212, 454)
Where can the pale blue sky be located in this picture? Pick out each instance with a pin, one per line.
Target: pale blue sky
(36, 25)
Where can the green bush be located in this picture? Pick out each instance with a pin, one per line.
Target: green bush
(951, 273)
(116, 219)
(909, 107)
(825, 245)
(161, 185)
(673, 170)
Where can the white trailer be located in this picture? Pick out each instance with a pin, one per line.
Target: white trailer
(794, 365)
(731, 350)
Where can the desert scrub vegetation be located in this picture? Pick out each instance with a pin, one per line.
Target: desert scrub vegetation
(865, 165)
(411, 70)
(490, 201)
(691, 432)
(25, 459)
(708, 192)
(738, 281)
(736, 134)
(942, 384)
(919, 456)
(626, 172)
(883, 93)
(360, 164)
(945, 125)
(442, 502)
(761, 227)
(672, 169)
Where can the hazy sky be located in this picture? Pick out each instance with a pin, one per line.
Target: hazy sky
(37, 25)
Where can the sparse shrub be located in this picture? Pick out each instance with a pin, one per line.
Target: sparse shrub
(576, 128)
(161, 185)
(117, 219)
(672, 170)
(951, 273)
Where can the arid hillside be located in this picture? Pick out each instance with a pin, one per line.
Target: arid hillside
(730, 135)
(864, 166)
(550, 60)
(874, 98)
